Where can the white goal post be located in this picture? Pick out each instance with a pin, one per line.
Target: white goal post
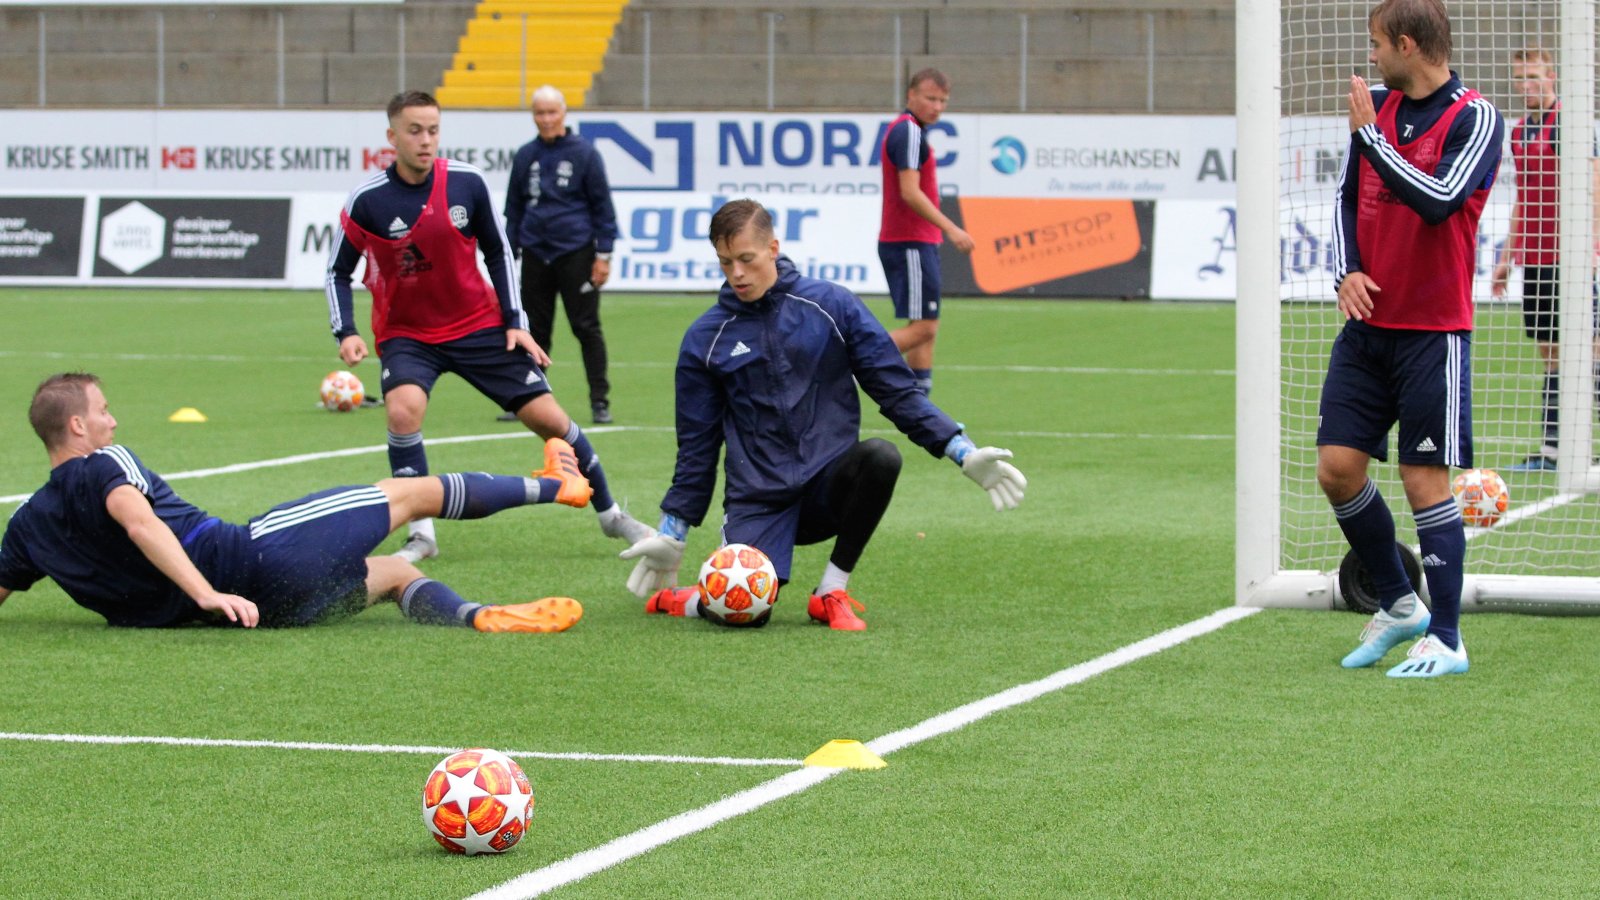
(1294, 60)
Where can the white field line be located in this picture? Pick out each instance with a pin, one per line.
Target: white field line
(1089, 370)
(385, 748)
(298, 458)
(582, 865)
(357, 451)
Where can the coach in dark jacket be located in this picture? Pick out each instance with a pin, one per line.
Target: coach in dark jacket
(560, 219)
(768, 377)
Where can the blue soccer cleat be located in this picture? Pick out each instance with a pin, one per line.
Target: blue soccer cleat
(1384, 633)
(1538, 462)
(1430, 658)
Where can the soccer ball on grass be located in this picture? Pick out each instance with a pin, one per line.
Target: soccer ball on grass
(1482, 495)
(477, 801)
(342, 392)
(738, 586)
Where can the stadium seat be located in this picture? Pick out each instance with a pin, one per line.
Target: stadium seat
(511, 47)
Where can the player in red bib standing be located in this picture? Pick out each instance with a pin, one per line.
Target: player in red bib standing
(913, 226)
(1534, 242)
(1424, 150)
(420, 225)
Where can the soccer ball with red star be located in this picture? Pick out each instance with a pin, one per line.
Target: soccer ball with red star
(738, 586)
(342, 392)
(477, 801)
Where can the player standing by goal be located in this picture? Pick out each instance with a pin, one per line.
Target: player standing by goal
(1423, 154)
(1534, 242)
(420, 224)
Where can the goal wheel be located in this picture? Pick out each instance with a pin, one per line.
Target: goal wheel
(1355, 583)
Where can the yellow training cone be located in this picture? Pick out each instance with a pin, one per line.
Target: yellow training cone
(845, 754)
(187, 414)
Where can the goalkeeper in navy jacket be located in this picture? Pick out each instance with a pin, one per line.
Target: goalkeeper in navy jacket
(769, 375)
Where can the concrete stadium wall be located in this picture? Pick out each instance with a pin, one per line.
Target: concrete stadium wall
(335, 54)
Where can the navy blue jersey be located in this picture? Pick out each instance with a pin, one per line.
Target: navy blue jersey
(558, 200)
(775, 381)
(1468, 163)
(387, 206)
(65, 532)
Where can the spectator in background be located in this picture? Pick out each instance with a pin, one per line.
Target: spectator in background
(420, 224)
(561, 222)
(913, 226)
(1535, 239)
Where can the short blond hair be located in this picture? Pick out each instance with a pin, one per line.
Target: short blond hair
(1533, 56)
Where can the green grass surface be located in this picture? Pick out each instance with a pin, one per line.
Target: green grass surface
(1242, 763)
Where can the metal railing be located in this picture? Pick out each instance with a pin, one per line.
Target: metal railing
(1024, 52)
(164, 56)
(257, 56)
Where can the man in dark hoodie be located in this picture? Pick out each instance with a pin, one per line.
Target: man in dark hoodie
(771, 371)
(561, 222)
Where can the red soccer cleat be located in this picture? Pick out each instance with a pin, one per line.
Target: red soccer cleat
(834, 608)
(672, 601)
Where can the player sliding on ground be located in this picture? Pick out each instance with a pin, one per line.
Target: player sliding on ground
(120, 542)
(771, 371)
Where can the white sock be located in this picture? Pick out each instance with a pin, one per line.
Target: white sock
(1405, 606)
(833, 579)
(691, 610)
(423, 527)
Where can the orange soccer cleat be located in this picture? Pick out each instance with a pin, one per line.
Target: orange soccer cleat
(834, 608)
(539, 617)
(561, 463)
(672, 601)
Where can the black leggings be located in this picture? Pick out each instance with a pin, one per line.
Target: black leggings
(858, 493)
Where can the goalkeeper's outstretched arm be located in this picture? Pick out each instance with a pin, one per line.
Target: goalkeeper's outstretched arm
(988, 467)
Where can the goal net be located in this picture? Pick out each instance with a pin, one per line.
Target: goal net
(1295, 58)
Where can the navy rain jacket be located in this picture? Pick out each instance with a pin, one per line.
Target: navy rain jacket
(775, 380)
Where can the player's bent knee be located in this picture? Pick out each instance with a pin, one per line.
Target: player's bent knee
(1339, 485)
(388, 575)
(880, 458)
(412, 498)
(404, 408)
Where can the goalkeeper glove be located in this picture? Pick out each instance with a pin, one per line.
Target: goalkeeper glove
(988, 467)
(659, 557)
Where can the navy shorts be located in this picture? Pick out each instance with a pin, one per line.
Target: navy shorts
(1541, 304)
(912, 269)
(508, 377)
(776, 528)
(1421, 379)
(301, 562)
